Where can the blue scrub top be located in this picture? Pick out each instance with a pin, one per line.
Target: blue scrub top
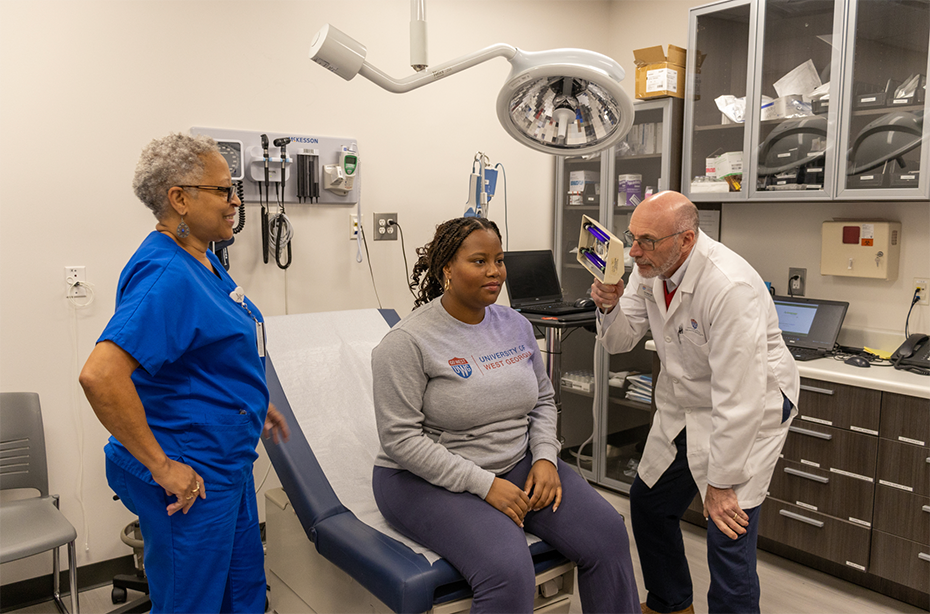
(201, 379)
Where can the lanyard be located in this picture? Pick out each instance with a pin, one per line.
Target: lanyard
(238, 295)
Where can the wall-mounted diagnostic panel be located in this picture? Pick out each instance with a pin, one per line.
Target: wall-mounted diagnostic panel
(860, 249)
(311, 169)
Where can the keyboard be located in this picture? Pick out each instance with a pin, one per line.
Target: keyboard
(803, 354)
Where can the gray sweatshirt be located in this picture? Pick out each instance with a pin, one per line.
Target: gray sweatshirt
(458, 404)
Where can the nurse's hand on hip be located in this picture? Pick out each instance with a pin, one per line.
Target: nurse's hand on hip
(606, 296)
(181, 481)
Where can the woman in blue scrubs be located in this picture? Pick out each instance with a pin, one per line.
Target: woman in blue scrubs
(178, 379)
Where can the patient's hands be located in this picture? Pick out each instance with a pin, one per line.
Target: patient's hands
(508, 498)
(544, 484)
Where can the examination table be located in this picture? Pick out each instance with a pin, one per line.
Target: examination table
(326, 556)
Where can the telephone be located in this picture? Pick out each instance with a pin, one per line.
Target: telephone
(913, 355)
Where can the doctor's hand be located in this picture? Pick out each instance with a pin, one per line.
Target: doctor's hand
(507, 497)
(181, 481)
(606, 296)
(544, 484)
(276, 425)
(721, 506)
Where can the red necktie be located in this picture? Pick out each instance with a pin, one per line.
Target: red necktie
(668, 295)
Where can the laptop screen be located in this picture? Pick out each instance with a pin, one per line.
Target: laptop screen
(810, 323)
(532, 278)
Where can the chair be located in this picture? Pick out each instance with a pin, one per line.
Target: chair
(33, 525)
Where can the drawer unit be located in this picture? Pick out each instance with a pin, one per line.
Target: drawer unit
(831, 449)
(900, 560)
(904, 466)
(844, 407)
(836, 540)
(822, 491)
(903, 514)
(905, 419)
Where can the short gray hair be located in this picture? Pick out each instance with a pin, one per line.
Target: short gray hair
(166, 162)
(687, 217)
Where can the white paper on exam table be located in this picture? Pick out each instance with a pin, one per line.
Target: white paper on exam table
(323, 361)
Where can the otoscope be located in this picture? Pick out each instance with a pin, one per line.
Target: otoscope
(282, 220)
(267, 198)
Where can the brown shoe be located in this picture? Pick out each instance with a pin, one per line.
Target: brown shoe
(647, 610)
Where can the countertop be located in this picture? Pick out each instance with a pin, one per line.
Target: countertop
(886, 379)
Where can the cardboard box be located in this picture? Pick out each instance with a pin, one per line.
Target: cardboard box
(729, 163)
(658, 75)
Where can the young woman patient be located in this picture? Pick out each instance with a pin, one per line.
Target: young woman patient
(469, 452)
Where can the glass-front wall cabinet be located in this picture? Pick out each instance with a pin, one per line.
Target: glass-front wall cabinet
(800, 52)
(604, 427)
(885, 94)
(719, 55)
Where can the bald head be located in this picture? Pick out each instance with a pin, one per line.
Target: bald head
(669, 212)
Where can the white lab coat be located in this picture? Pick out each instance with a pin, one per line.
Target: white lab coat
(724, 369)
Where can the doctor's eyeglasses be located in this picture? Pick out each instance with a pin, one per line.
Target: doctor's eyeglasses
(647, 245)
(230, 191)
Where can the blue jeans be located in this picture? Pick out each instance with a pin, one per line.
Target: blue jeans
(490, 550)
(656, 516)
(208, 560)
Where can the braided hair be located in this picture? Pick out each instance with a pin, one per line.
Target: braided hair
(437, 253)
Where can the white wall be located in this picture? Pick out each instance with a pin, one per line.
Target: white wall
(84, 85)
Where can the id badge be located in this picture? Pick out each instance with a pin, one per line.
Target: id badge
(260, 338)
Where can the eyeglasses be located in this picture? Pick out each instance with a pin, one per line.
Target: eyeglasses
(647, 245)
(230, 191)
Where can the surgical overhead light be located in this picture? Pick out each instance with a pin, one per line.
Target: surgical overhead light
(562, 101)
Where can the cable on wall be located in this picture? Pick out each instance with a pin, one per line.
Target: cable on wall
(76, 398)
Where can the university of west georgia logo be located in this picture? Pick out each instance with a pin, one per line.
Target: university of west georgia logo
(461, 367)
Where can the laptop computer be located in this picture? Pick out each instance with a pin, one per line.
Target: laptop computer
(809, 326)
(533, 284)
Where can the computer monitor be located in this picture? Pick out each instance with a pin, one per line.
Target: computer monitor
(810, 323)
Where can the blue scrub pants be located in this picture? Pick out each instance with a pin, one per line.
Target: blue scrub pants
(490, 550)
(656, 516)
(208, 560)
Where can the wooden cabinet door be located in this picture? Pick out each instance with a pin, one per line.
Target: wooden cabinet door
(821, 491)
(832, 449)
(904, 466)
(905, 419)
(903, 514)
(901, 561)
(836, 540)
(838, 405)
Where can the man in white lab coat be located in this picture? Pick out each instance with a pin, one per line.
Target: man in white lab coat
(725, 398)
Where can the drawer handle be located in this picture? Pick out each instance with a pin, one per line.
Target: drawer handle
(926, 508)
(816, 389)
(807, 476)
(817, 434)
(804, 519)
(923, 556)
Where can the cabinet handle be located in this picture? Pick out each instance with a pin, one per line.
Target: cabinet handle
(804, 519)
(923, 556)
(816, 389)
(817, 434)
(807, 476)
(926, 508)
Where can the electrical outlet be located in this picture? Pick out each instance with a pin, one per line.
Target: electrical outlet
(797, 281)
(383, 230)
(353, 226)
(74, 274)
(921, 286)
